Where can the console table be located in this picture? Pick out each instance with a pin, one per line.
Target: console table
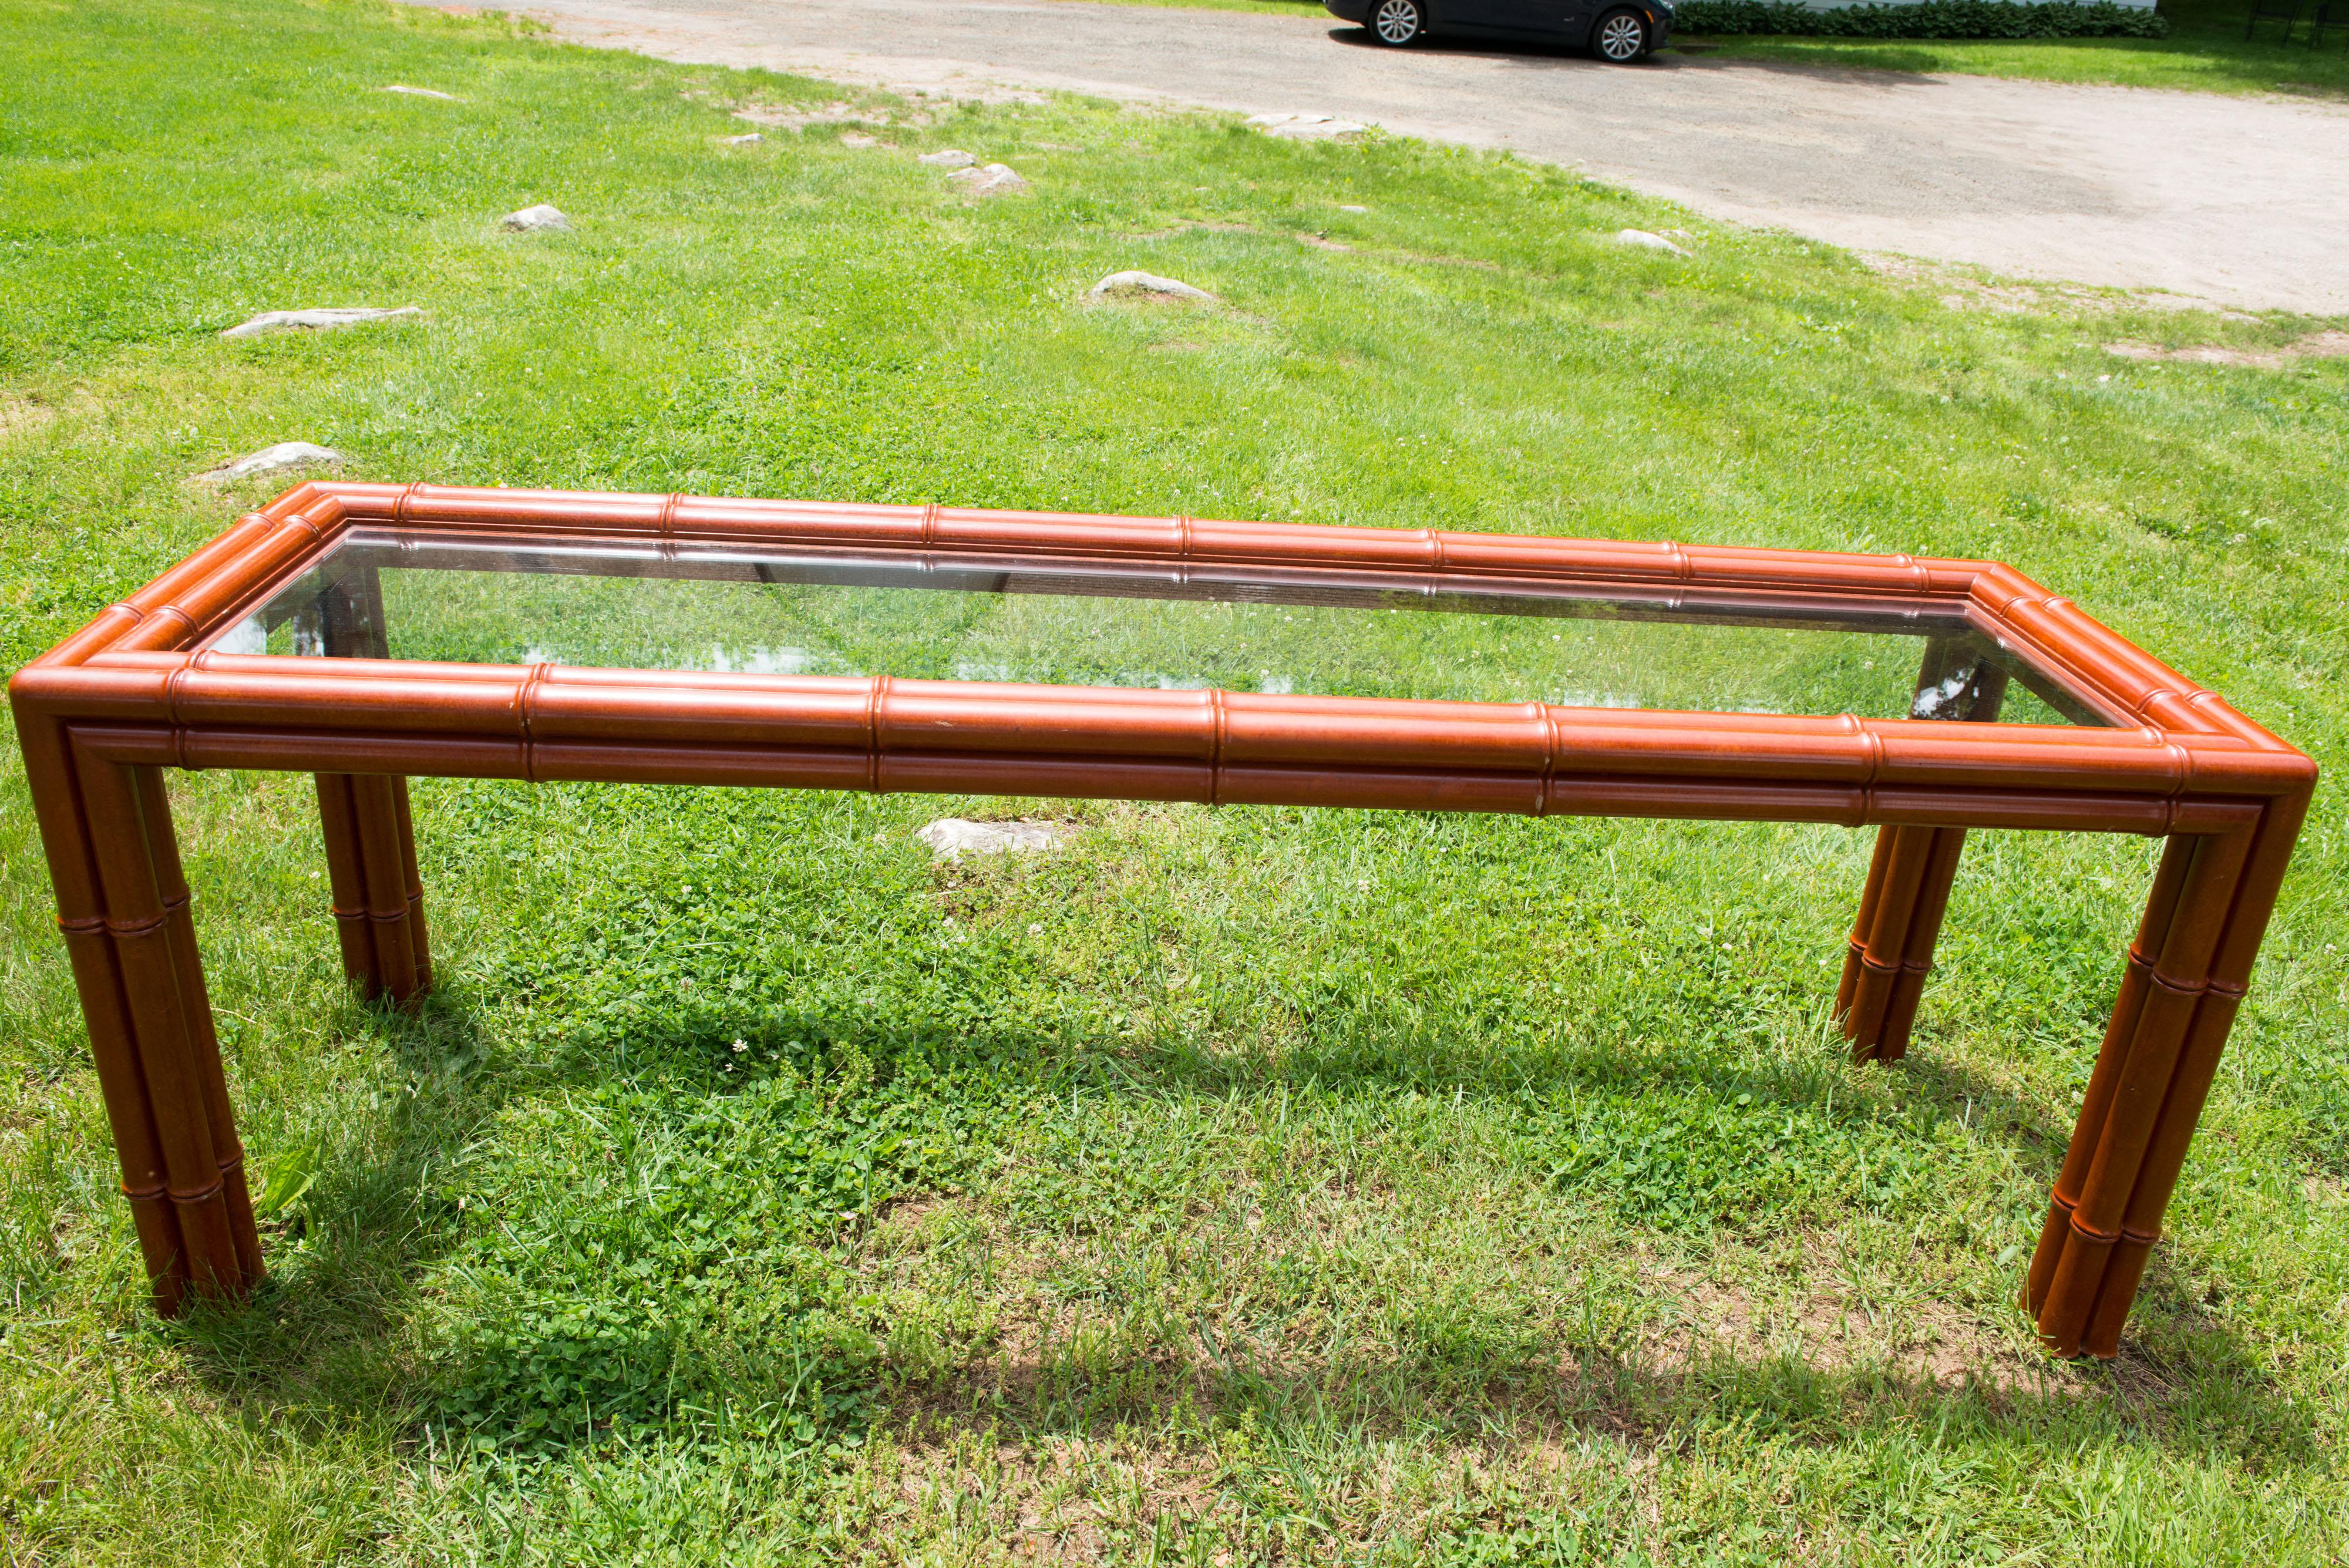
(364, 633)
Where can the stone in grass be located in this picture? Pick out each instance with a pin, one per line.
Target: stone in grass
(421, 92)
(1646, 241)
(275, 459)
(742, 141)
(952, 838)
(1134, 283)
(1350, 207)
(948, 158)
(1306, 126)
(315, 321)
(532, 219)
(994, 180)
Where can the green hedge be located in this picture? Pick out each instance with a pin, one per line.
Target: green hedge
(1924, 19)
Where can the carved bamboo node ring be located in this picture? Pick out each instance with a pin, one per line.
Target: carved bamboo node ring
(526, 702)
(877, 692)
(146, 926)
(2094, 1238)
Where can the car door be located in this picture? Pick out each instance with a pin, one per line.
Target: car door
(1523, 17)
(1516, 17)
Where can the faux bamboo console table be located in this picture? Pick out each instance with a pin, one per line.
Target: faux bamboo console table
(365, 633)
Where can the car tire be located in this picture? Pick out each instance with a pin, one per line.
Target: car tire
(1394, 24)
(1620, 37)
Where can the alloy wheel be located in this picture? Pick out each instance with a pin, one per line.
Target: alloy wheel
(1622, 37)
(1396, 21)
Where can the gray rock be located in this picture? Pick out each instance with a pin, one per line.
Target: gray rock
(421, 92)
(1118, 283)
(1305, 127)
(743, 140)
(994, 180)
(275, 459)
(1646, 241)
(952, 838)
(948, 158)
(531, 218)
(315, 321)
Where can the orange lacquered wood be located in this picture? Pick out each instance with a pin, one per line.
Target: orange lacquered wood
(346, 880)
(106, 708)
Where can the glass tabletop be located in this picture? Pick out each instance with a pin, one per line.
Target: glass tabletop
(399, 594)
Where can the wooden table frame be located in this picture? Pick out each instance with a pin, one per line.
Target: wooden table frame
(102, 715)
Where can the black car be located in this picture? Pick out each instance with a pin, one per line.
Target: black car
(1617, 31)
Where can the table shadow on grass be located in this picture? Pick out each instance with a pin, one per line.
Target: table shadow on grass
(753, 1307)
(322, 1339)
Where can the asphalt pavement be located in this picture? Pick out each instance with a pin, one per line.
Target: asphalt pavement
(2240, 201)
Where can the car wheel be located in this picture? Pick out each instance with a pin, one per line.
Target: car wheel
(1395, 23)
(1620, 37)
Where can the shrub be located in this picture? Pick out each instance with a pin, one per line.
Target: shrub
(1924, 19)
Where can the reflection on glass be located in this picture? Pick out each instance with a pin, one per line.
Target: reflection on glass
(484, 600)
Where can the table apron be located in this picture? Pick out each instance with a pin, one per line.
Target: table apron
(1712, 798)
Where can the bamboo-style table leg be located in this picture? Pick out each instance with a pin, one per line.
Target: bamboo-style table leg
(2185, 978)
(370, 837)
(124, 907)
(1908, 891)
(379, 897)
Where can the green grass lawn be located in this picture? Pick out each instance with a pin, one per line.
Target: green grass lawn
(1234, 1185)
(2206, 50)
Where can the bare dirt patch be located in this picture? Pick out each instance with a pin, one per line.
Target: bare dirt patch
(1825, 1328)
(2319, 346)
(20, 416)
(1961, 289)
(776, 117)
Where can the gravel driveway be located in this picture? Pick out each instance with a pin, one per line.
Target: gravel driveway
(2242, 201)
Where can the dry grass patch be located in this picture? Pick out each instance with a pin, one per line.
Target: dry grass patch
(20, 416)
(2317, 346)
(1964, 288)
